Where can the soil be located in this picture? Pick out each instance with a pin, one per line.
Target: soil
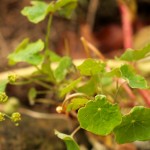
(32, 134)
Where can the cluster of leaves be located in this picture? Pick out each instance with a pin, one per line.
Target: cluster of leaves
(96, 114)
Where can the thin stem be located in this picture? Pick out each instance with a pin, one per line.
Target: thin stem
(42, 84)
(38, 69)
(84, 43)
(48, 31)
(37, 82)
(118, 88)
(68, 98)
(75, 131)
(88, 46)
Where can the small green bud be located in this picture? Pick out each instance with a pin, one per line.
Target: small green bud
(12, 78)
(3, 97)
(2, 116)
(15, 117)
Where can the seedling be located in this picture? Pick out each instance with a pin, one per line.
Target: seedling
(91, 90)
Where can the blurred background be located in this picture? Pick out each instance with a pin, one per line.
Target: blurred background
(99, 21)
(109, 25)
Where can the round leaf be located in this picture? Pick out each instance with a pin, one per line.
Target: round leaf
(134, 126)
(99, 116)
(134, 80)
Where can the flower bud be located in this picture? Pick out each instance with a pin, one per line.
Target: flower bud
(3, 97)
(15, 117)
(12, 78)
(2, 116)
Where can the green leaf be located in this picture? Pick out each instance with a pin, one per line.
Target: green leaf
(99, 116)
(69, 141)
(37, 12)
(70, 87)
(62, 69)
(134, 126)
(76, 103)
(65, 7)
(113, 73)
(135, 81)
(134, 55)
(3, 84)
(27, 52)
(91, 67)
(89, 87)
(53, 56)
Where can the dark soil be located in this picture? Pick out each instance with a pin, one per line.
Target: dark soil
(32, 134)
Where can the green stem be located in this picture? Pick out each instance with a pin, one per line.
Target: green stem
(42, 84)
(30, 79)
(75, 131)
(117, 91)
(68, 98)
(48, 31)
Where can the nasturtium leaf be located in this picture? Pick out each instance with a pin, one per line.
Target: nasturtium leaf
(69, 141)
(134, 55)
(62, 69)
(134, 126)
(91, 67)
(99, 116)
(69, 87)
(89, 87)
(3, 84)
(27, 52)
(37, 12)
(65, 7)
(76, 103)
(134, 80)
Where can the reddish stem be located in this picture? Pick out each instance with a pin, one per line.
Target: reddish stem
(128, 34)
(126, 25)
(146, 95)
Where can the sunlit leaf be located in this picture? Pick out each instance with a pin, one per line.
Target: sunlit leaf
(134, 80)
(113, 73)
(134, 55)
(37, 12)
(76, 103)
(91, 67)
(134, 126)
(99, 116)
(3, 84)
(69, 141)
(27, 52)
